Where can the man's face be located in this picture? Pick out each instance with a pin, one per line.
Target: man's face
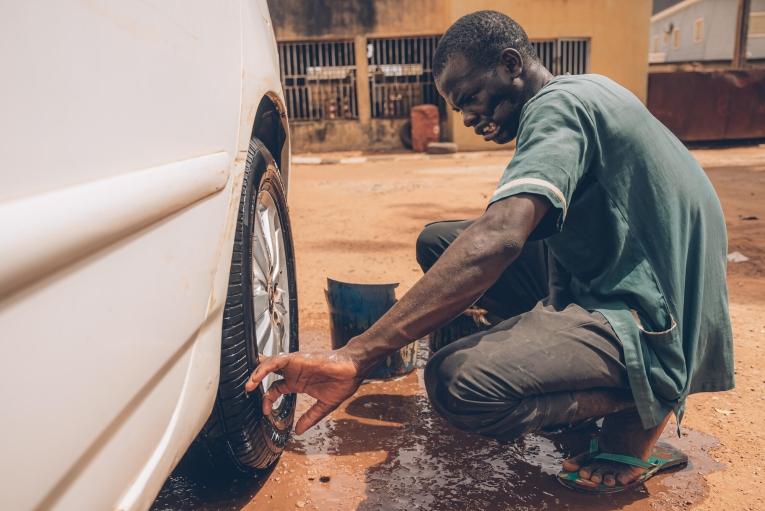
(490, 100)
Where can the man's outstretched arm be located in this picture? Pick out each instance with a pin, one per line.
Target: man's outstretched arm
(471, 264)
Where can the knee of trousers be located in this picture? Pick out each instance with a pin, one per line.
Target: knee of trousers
(452, 384)
(429, 246)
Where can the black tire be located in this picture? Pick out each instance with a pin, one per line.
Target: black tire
(237, 435)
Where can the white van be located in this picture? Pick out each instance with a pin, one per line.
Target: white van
(145, 247)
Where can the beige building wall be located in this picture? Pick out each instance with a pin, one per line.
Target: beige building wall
(618, 40)
(618, 32)
(300, 20)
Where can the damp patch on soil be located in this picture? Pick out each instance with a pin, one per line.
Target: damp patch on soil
(387, 449)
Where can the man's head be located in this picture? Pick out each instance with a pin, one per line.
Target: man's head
(486, 68)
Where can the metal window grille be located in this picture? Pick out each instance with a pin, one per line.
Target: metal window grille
(564, 56)
(401, 75)
(319, 80)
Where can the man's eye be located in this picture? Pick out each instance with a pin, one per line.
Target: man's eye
(470, 99)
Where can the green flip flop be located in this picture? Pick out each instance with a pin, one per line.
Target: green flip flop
(663, 457)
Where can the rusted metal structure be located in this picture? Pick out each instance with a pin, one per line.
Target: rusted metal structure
(710, 105)
(707, 77)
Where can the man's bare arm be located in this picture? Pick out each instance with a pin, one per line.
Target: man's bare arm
(471, 264)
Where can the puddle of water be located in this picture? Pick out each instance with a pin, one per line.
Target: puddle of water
(386, 449)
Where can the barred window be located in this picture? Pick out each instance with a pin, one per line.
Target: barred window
(564, 56)
(319, 80)
(401, 75)
(319, 77)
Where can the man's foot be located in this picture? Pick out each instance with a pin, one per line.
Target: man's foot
(622, 434)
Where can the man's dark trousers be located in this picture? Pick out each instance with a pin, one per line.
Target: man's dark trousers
(533, 370)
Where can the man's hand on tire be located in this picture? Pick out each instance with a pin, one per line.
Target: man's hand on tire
(330, 377)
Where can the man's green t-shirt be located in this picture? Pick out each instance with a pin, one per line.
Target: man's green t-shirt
(635, 232)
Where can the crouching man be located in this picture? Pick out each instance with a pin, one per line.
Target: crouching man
(602, 251)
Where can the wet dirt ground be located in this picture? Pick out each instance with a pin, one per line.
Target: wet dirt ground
(386, 449)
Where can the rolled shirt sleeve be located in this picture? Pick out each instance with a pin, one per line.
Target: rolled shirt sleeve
(552, 155)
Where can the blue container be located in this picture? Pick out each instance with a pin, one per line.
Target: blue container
(353, 308)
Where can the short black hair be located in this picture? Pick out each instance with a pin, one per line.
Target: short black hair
(481, 37)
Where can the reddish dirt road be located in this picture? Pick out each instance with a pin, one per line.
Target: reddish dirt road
(386, 448)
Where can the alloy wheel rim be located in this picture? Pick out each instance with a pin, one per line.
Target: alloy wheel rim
(270, 289)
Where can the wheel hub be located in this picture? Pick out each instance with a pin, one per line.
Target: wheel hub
(270, 293)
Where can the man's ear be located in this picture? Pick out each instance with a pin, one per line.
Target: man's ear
(512, 61)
